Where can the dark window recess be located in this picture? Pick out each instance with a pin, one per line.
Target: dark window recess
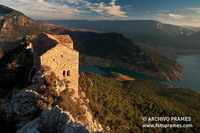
(61, 55)
(64, 73)
(68, 73)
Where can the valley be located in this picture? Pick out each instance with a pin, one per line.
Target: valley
(95, 75)
(113, 48)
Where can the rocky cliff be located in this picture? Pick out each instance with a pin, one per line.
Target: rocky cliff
(92, 60)
(14, 25)
(174, 74)
(32, 116)
(47, 103)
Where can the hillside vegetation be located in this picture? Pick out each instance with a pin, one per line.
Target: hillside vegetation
(117, 105)
(166, 63)
(15, 67)
(121, 105)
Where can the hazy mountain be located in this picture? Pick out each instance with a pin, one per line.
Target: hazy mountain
(145, 32)
(130, 27)
(193, 39)
(191, 27)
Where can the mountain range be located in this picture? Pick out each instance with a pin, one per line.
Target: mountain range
(149, 33)
(127, 27)
(101, 49)
(196, 29)
(104, 104)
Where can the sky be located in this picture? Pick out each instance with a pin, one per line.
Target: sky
(178, 12)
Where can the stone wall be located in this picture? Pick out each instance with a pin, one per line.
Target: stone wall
(64, 62)
(53, 51)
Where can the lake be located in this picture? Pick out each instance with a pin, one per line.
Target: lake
(191, 72)
(105, 70)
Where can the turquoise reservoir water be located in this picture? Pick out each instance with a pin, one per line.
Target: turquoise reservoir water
(105, 70)
(191, 72)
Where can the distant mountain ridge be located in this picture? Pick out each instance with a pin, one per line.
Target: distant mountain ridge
(101, 49)
(149, 33)
(133, 27)
(14, 25)
(191, 27)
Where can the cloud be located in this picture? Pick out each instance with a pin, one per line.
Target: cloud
(40, 9)
(162, 15)
(64, 9)
(175, 16)
(195, 9)
(163, 11)
(110, 9)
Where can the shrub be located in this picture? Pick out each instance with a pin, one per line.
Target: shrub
(50, 80)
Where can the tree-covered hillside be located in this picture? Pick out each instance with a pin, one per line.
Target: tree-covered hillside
(122, 105)
(117, 105)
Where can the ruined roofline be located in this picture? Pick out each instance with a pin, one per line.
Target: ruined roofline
(67, 36)
(70, 48)
(56, 38)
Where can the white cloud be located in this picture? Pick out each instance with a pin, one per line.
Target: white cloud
(175, 16)
(40, 9)
(171, 15)
(195, 9)
(110, 9)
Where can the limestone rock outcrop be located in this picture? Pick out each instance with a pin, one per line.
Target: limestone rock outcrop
(22, 105)
(14, 25)
(55, 120)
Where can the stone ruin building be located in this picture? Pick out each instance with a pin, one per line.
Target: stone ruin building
(57, 53)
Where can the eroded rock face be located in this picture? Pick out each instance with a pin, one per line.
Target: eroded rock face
(173, 75)
(23, 106)
(91, 124)
(14, 25)
(55, 120)
(61, 121)
(90, 60)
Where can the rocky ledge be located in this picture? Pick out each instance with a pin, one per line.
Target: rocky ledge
(30, 119)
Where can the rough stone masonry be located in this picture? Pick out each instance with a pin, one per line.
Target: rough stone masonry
(56, 52)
